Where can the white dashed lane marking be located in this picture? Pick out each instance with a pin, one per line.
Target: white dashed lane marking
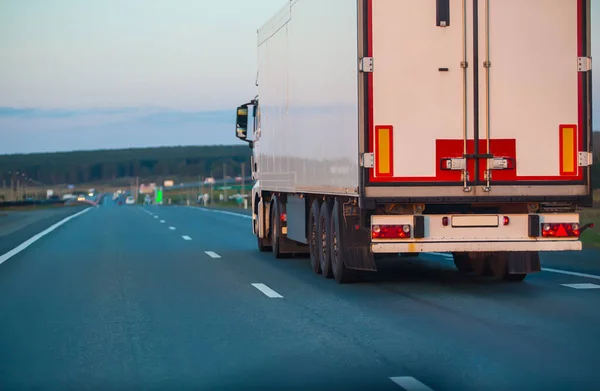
(267, 291)
(582, 286)
(212, 254)
(410, 383)
(185, 237)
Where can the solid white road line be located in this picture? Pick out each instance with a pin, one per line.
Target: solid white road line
(595, 277)
(582, 286)
(185, 237)
(212, 254)
(267, 291)
(410, 383)
(37, 237)
(172, 228)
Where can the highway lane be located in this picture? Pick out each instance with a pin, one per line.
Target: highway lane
(163, 298)
(454, 331)
(115, 300)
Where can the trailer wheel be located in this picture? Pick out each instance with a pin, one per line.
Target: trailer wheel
(499, 268)
(262, 246)
(276, 229)
(313, 237)
(462, 262)
(515, 277)
(480, 264)
(324, 234)
(340, 272)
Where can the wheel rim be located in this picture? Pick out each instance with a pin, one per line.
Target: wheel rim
(334, 249)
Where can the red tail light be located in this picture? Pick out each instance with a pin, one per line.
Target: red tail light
(390, 231)
(506, 220)
(283, 217)
(560, 230)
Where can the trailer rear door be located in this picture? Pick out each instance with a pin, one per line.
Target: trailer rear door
(479, 94)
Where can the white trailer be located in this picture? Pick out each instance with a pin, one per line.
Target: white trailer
(409, 126)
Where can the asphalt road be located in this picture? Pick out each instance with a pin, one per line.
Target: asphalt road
(131, 297)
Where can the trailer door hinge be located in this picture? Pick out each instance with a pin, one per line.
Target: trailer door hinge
(367, 160)
(366, 64)
(584, 64)
(585, 159)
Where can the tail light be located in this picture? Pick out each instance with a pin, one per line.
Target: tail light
(505, 220)
(390, 231)
(560, 230)
(283, 217)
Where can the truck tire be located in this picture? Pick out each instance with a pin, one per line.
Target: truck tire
(499, 267)
(462, 262)
(337, 247)
(276, 229)
(324, 235)
(313, 237)
(262, 246)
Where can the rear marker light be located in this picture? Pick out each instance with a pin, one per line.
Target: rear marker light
(445, 221)
(506, 220)
(284, 217)
(560, 230)
(390, 231)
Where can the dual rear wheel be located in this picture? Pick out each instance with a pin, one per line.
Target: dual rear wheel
(496, 264)
(326, 242)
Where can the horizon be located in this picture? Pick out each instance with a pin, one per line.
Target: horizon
(77, 76)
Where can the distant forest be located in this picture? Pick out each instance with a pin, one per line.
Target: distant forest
(81, 167)
(150, 164)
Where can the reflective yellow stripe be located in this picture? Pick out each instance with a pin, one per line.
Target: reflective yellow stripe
(568, 148)
(383, 152)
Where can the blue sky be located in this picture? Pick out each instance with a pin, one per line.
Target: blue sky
(90, 74)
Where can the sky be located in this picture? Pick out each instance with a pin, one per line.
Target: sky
(95, 74)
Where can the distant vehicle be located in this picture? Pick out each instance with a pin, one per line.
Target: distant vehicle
(209, 180)
(130, 200)
(81, 198)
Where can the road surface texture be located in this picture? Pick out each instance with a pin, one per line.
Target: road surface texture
(177, 298)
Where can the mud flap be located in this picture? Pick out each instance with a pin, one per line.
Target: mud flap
(523, 262)
(356, 247)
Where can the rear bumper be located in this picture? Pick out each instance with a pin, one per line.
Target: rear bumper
(474, 233)
(421, 247)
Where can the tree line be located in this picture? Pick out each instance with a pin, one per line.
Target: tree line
(156, 164)
(81, 167)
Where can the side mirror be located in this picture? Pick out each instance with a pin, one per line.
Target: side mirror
(241, 127)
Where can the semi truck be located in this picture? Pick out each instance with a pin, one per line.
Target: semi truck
(400, 127)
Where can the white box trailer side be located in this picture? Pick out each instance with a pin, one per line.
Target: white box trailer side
(307, 139)
(405, 126)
